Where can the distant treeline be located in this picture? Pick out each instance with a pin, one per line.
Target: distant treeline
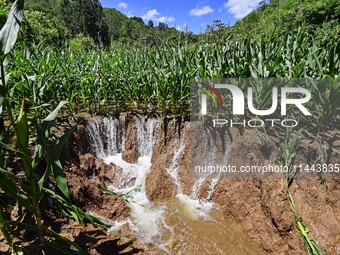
(86, 23)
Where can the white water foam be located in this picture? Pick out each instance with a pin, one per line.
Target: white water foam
(194, 206)
(147, 220)
(107, 136)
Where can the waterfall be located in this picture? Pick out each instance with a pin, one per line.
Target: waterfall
(196, 206)
(174, 168)
(148, 221)
(146, 136)
(106, 136)
(211, 153)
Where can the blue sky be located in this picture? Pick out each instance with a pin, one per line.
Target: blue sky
(194, 14)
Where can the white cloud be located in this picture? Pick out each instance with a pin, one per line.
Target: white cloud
(166, 19)
(241, 8)
(154, 15)
(123, 5)
(151, 14)
(201, 11)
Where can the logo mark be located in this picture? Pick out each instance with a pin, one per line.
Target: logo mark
(239, 99)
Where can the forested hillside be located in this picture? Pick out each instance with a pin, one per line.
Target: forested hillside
(289, 15)
(125, 29)
(73, 17)
(58, 21)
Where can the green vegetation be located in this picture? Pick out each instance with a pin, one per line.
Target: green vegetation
(129, 30)
(288, 146)
(158, 78)
(57, 22)
(288, 15)
(310, 245)
(60, 58)
(29, 191)
(74, 16)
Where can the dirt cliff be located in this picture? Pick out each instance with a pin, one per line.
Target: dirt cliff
(260, 207)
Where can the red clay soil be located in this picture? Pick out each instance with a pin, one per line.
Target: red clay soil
(260, 207)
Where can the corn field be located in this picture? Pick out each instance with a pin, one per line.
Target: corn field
(158, 79)
(38, 80)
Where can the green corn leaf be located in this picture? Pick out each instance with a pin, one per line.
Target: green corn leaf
(50, 119)
(69, 208)
(62, 140)
(75, 216)
(61, 245)
(18, 249)
(45, 176)
(38, 157)
(3, 228)
(9, 148)
(1, 100)
(22, 225)
(58, 171)
(22, 129)
(9, 32)
(54, 164)
(10, 189)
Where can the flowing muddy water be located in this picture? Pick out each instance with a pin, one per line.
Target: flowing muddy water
(192, 234)
(185, 224)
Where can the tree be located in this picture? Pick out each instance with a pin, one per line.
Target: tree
(138, 19)
(82, 42)
(263, 2)
(41, 27)
(127, 29)
(219, 25)
(162, 26)
(78, 16)
(150, 23)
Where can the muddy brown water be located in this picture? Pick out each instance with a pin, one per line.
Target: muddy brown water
(187, 233)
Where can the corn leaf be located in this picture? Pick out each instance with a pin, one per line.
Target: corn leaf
(9, 32)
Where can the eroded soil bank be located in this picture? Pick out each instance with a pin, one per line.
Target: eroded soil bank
(257, 211)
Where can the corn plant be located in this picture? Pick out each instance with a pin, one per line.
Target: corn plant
(310, 245)
(158, 79)
(30, 191)
(288, 147)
